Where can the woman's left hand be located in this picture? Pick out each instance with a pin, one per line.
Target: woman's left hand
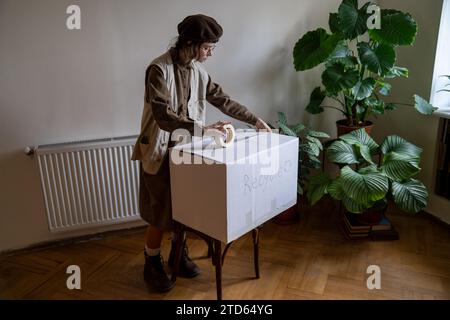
(261, 125)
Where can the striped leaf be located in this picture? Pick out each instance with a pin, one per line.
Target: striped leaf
(341, 152)
(360, 137)
(335, 190)
(318, 134)
(365, 152)
(400, 146)
(399, 167)
(315, 141)
(297, 128)
(288, 131)
(354, 206)
(364, 188)
(410, 196)
(314, 148)
(369, 169)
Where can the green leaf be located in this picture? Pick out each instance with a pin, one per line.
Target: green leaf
(297, 128)
(342, 55)
(286, 130)
(369, 169)
(315, 141)
(397, 28)
(400, 146)
(363, 89)
(282, 118)
(314, 158)
(352, 22)
(423, 106)
(314, 148)
(318, 134)
(410, 196)
(341, 152)
(360, 110)
(360, 137)
(397, 72)
(315, 100)
(385, 88)
(335, 189)
(354, 206)
(313, 49)
(379, 60)
(333, 22)
(317, 187)
(364, 188)
(378, 107)
(391, 106)
(365, 152)
(336, 78)
(306, 148)
(299, 189)
(399, 167)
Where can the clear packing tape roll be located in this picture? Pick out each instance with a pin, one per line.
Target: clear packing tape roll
(219, 139)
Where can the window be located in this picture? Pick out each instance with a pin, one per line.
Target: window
(442, 65)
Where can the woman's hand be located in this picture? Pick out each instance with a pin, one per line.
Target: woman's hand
(261, 125)
(218, 126)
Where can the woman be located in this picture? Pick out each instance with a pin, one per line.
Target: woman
(176, 87)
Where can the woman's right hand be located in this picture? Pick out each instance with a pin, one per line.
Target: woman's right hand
(218, 126)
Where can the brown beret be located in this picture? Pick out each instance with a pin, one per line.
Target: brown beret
(200, 28)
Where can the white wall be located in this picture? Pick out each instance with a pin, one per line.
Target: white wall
(58, 85)
(406, 122)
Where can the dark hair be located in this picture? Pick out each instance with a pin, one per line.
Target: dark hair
(192, 47)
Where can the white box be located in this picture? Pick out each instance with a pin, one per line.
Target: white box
(246, 184)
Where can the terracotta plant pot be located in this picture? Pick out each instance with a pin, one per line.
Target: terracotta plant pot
(371, 216)
(343, 128)
(289, 216)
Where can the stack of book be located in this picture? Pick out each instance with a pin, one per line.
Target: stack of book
(383, 230)
(354, 229)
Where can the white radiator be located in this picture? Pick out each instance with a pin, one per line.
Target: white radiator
(89, 183)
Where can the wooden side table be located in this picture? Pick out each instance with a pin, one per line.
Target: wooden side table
(214, 251)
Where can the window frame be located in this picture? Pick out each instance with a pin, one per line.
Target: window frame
(442, 65)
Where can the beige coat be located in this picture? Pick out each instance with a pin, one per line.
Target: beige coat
(153, 151)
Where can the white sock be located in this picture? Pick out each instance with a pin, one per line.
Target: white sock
(152, 252)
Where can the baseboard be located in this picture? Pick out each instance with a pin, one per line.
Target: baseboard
(73, 240)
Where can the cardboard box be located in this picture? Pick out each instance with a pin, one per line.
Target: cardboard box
(227, 192)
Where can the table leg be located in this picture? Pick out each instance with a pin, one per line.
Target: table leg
(255, 235)
(217, 256)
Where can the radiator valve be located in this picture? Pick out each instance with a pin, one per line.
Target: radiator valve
(29, 151)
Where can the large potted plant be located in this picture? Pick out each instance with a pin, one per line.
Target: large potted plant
(365, 183)
(358, 62)
(310, 147)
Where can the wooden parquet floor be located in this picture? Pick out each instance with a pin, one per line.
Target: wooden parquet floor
(308, 260)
